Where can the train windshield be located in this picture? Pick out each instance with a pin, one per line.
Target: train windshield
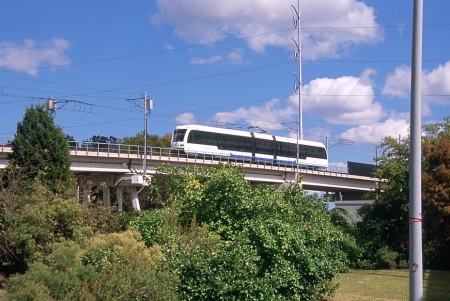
(178, 135)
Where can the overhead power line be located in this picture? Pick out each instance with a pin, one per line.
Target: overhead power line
(130, 56)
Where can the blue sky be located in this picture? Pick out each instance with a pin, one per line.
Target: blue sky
(227, 63)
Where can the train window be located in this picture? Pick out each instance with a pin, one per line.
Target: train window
(285, 149)
(198, 137)
(290, 150)
(222, 141)
(178, 135)
(313, 152)
(264, 146)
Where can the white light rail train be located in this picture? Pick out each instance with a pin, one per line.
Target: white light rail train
(198, 140)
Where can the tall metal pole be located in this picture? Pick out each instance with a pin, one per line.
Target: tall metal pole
(144, 167)
(415, 167)
(300, 104)
(298, 58)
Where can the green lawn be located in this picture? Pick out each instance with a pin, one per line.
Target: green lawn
(359, 285)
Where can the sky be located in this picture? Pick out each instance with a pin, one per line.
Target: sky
(227, 63)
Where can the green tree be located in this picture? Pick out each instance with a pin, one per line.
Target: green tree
(152, 140)
(385, 223)
(40, 149)
(32, 219)
(436, 194)
(228, 240)
(115, 266)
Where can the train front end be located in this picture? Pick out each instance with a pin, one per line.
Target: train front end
(178, 140)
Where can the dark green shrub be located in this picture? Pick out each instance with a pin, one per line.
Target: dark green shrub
(227, 240)
(110, 267)
(386, 258)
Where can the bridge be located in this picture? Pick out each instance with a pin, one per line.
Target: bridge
(117, 166)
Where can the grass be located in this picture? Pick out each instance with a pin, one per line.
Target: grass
(378, 285)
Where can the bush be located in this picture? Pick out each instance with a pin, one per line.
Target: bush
(227, 240)
(109, 267)
(386, 258)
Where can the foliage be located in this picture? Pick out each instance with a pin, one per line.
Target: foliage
(33, 218)
(385, 222)
(102, 143)
(344, 220)
(436, 194)
(109, 267)
(228, 240)
(152, 140)
(41, 149)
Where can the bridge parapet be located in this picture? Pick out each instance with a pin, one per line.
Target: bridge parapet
(119, 159)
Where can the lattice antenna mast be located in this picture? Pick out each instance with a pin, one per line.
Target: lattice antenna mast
(298, 59)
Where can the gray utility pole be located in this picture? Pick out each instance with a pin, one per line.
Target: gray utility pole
(415, 165)
(148, 106)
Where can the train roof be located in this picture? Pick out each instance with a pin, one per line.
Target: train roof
(247, 134)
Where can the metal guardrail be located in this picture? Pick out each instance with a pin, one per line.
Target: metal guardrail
(87, 148)
(4, 142)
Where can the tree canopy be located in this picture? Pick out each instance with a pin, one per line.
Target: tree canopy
(40, 149)
(385, 224)
(228, 240)
(152, 140)
(436, 194)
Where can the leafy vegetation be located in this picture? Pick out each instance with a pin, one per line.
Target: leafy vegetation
(40, 150)
(207, 234)
(385, 225)
(107, 267)
(228, 240)
(152, 140)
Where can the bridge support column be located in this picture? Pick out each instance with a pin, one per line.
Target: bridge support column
(135, 198)
(119, 195)
(106, 197)
(86, 196)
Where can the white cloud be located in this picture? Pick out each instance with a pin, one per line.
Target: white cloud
(435, 85)
(236, 57)
(395, 126)
(31, 55)
(186, 118)
(206, 61)
(344, 100)
(270, 116)
(328, 27)
(398, 83)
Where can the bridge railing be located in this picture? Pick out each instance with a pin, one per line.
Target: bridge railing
(4, 142)
(161, 153)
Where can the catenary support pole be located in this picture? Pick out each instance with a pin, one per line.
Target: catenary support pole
(415, 167)
(144, 167)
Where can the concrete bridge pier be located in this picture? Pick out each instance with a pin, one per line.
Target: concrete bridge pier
(136, 184)
(119, 196)
(106, 197)
(135, 198)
